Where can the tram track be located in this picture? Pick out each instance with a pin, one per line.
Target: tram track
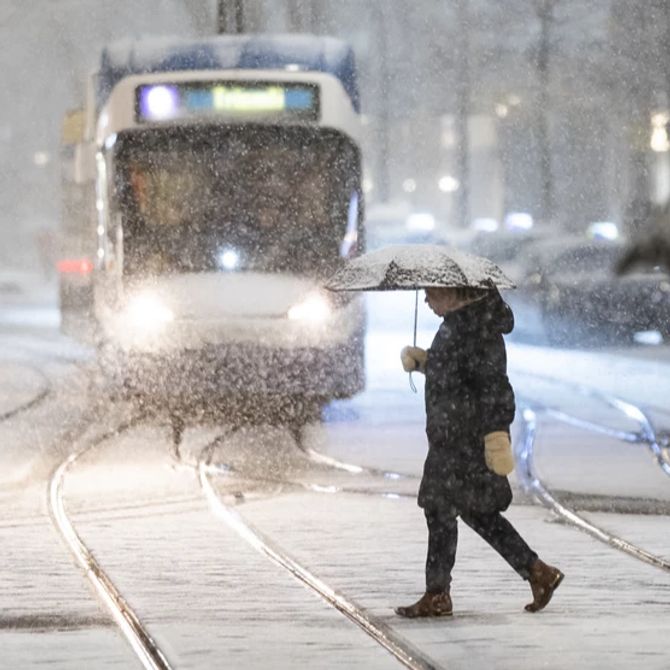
(136, 634)
(404, 652)
(531, 483)
(527, 475)
(223, 469)
(141, 642)
(152, 657)
(143, 645)
(647, 434)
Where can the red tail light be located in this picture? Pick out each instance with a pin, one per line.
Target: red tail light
(80, 266)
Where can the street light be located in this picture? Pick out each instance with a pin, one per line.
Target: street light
(659, 134)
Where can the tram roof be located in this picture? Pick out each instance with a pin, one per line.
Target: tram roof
(224, 52)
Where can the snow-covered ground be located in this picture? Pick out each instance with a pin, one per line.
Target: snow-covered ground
(208, 598)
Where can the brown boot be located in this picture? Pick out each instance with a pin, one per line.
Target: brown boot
(430, 604)
(544, 580)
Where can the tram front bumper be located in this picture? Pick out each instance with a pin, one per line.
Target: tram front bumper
(243, 369)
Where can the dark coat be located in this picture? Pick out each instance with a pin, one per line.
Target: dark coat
(468, 395)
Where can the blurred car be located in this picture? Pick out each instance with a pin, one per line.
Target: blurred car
(399, 224)
(507, 248)
(581, 298)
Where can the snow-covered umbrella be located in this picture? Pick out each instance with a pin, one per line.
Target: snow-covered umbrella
(417, 266)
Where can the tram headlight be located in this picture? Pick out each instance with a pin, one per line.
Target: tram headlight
(147, 313)
(229, 259)
(315, 308)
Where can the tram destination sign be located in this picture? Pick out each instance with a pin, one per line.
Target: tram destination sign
(234, 100)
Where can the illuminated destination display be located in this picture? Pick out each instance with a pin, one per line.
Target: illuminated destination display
(234, 100)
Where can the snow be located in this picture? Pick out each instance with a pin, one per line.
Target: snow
(382, 563)
(206, 595)
(417, 265)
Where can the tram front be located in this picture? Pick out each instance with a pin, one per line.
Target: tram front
(224, 201)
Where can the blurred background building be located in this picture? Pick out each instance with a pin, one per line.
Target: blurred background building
(473, 108)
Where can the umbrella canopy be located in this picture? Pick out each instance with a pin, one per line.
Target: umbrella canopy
(415, 266)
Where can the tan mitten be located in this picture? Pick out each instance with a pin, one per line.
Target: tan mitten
(413, 358)
(498, 452)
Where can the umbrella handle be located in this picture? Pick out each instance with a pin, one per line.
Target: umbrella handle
(416, 312)
(416, 315)
(411, 383)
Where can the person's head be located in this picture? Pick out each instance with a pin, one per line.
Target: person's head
(443, 299)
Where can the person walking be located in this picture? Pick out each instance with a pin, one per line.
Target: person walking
(469, 408)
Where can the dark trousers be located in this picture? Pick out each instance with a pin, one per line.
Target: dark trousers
(494, 528)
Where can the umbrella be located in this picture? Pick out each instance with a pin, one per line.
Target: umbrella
(416, 266)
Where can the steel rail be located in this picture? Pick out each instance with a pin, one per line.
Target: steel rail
(401, 649)
(324, 459)
(314, 487)
(647, 434)
(525, 468)
(564, 417)
(141, 642)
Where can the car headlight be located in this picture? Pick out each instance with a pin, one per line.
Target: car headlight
(146, 312)
(315, 308)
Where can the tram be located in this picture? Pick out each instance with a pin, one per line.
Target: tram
(227, 185)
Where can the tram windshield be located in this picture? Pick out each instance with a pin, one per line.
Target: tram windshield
(252, 198)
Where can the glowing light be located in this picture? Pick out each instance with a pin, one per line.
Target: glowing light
(485, 225)
(650, 337)
(80, 266)
(420, 221)
(448, 184)
(239, 99)
(110, 141)
(368, 185)
(41, 158)
(518, 221)
(409, 185)
(659, 140)
(147, 313)
(603, 230)
(659, 134)
(313, 309)
(159, 102)
(192, 100)
(502, 110)
(229, 259)
(350, 238)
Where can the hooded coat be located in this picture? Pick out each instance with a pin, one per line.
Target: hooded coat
(468, 395)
